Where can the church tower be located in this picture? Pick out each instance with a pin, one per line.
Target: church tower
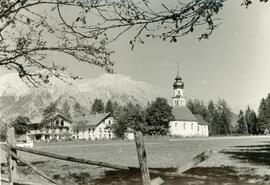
(179, 100)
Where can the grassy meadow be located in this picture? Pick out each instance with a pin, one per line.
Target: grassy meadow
(233, 166)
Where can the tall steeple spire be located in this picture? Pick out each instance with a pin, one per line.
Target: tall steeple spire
(178, 77)
(178, 86)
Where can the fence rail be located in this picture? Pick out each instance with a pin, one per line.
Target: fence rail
(12, 157)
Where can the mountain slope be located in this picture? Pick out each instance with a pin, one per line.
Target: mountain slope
(16, 98)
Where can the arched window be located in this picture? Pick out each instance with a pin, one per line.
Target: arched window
(184, 126)
(191, 126)
(175, 124)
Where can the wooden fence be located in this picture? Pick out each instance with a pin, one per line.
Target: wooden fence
(12, 159)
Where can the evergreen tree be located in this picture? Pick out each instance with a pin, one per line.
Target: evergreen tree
(251, 119)
(98, 106)
(109, 106)
(264, 114)
(158, 116)
(48, 115)
(223, 117)
(115, 106)
(254, 127)
(211, 118)
(197, 107)
(120, 126)
(242, 124)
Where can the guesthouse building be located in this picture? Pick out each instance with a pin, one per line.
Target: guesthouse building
(60, 128)
(94, 127)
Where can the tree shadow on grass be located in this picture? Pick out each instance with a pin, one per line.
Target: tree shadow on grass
(214, 176)
(254, 154)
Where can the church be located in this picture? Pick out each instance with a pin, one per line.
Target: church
(185, 124)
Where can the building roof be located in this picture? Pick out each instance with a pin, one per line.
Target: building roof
(200, 119)
(183, 114)
(37, 119)
(91, 120)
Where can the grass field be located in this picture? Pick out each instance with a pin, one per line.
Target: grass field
(246, 160)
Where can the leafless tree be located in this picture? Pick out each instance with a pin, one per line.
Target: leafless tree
(31, 31)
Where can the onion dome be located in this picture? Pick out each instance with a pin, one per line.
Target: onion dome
(178, 83)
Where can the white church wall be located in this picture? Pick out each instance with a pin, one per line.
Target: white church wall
(188, 129)
(183, 128)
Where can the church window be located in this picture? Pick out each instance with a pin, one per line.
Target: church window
(191, 126)
(198, 128)
(175, 125)
(184, 126)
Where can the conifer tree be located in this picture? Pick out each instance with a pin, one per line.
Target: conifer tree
(48, 115)
(224, 117)
(109, 107)
(251, 119)
(264, 114)
(211, 118)
(242, 124)
(98, 106)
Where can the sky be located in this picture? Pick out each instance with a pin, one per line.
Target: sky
(233, 64)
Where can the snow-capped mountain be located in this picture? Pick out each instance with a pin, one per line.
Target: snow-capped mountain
(16, 98)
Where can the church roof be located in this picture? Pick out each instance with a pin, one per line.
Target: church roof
(183, 114)
(200, 119)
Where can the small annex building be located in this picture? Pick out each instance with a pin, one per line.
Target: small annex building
(185, 124)
(93, 127)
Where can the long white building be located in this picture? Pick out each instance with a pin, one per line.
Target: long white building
(185, 124)
(94, 127)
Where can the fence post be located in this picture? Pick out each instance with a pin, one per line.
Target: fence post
(12, 162)
(142, 158)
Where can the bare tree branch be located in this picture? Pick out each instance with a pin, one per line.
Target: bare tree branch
(30, 30)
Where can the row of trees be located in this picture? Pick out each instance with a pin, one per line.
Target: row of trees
(218, 114)
(153, 120)
(223, 121)
(250, 123)
(99, 107)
